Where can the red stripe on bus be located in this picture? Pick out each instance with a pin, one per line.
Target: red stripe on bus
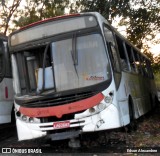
(58, 111)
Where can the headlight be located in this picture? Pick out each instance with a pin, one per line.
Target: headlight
(101, 106)
(31, 120)
(92, 110)
(108, 99)
(24, 118)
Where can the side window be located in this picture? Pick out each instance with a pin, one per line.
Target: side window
(131, 58)
(122, 53)
(8, 68)
(141, 64)
(112, 48)
(144, 66)
(149, 68)
(138, 61)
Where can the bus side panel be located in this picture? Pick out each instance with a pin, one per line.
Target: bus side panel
(138, 89)
(6, 100)
(122, 98)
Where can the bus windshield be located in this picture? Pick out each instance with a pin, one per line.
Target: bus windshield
(72, 63)
(83, 66)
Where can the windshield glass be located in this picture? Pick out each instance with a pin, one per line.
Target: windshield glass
(79, 62)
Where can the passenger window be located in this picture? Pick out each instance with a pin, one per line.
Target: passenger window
(149, 68)
(137, 61)
(144, 66)
(131, 57)
(112, 48)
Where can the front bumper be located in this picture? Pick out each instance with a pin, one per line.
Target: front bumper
(106, 119)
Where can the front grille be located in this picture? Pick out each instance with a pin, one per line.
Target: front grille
(48, 102)
(55, 119)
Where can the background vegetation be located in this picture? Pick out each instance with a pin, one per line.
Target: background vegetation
(141, 18)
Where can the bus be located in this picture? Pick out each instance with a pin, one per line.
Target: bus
(76, 74)
(6, 87)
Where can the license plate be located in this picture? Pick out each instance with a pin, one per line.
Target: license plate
(63, 124)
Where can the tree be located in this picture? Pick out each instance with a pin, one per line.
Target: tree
(156, 65)
(36, 10)
(7, 11)
(141, 19)
(108, 8)
(142, 24)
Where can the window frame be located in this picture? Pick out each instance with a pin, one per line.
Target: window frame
(110, 53)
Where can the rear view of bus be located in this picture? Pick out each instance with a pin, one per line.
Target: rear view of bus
(6, 89)
(64, 81)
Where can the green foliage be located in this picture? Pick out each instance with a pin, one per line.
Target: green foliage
(139, 18)
(109, 9)
(36, 10)
(7, 10)
(142, 22)
(156, 65)
(155, 61)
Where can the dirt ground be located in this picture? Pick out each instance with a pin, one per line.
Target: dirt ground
(148, 130)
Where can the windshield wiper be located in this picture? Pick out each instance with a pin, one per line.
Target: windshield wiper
(43, 71)
(74, 53)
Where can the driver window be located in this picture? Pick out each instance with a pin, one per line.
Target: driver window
(112, 48)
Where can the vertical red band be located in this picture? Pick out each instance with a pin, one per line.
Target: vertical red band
(6, 92)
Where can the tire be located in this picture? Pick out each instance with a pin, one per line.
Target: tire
(13, 120)
(132, 125)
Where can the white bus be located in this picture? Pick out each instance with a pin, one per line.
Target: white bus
(6, 86)
(75, 74)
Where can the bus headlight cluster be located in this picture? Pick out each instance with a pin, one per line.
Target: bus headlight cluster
(92, 110)
(31, 120)
(24, 118)
(108, 99)
(101, 106)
